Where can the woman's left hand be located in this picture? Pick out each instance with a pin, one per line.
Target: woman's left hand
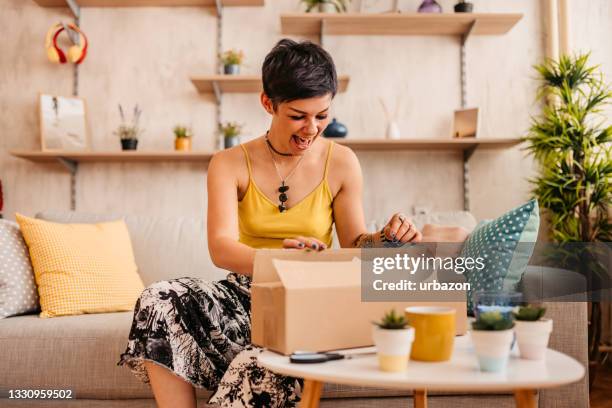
(400, 229)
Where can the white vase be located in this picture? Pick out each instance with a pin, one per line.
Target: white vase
(393, 347)
(532, 338)
(393, 131)
(327, 8)
(492, 348)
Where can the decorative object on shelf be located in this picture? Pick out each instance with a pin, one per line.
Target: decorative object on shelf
(430, 6)
(434, 332)
(571, 157)
(183, 135)
(1, 199)
(231, 133)
(532, 332)
(393, 340)
(76, 53)
(393, 131)
(63, 123)
(466, 122)
(335, 129)
(128, 133)
(464, 7)
(327, 6)
(232, 60)
(492, 336)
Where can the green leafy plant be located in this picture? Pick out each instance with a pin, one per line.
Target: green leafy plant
(181, 131)
(129, 130)
(232, 57)
(341, 6)
(571, 144)
(529, 313)
(492, 321)
(230, 129)
(392, 321)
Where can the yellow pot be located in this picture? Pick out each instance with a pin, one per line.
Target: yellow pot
(182, 144)
(434, 332)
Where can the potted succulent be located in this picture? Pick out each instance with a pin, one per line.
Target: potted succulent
(128, 132)
(326, 6)
(393, 339)
(532, 332)
(232, 60)
(492, 336)
(231, 133)
(182, 141)
(463, 7)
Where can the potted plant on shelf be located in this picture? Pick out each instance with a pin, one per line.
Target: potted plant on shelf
(393, 339)
(326, 6)
(232, 60)
(492, 336)
(231, 133)
(128, 133)
(182, 141)
(532, 332)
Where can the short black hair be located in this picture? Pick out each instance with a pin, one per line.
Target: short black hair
(295, 70)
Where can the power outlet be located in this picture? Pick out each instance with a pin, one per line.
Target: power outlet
(420, 209)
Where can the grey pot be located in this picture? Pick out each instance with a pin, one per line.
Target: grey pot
(233, 69)
(231, 141)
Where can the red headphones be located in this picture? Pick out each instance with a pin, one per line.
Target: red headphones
(76, 53)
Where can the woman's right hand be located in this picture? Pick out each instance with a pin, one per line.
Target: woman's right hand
(307, 243)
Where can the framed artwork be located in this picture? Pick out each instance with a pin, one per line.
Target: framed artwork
(63, 123)
(466, 122)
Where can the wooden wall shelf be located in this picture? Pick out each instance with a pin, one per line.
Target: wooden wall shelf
(242, 83)
(428, 144)
(151, 3)
(116, 156)
(397, 23)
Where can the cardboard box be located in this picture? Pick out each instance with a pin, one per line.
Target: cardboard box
(316, 304)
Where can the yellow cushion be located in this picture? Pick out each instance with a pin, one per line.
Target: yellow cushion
(82, 268)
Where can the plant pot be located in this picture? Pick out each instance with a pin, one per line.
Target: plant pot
(532, 338)
(430, 6)
(232, 69)
(393, 131)
(335, 129)
(463, 7)
(231, 141)
(393, 348)
(492, 348)
(129, 144)
(327, 8)
(182, 144)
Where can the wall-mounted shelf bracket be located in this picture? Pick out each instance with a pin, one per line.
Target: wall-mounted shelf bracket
(322, 32)
(71, 165)
(470, 30)
(467, 153)
(217, 91)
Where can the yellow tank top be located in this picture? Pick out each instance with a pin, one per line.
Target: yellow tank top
(262, 225)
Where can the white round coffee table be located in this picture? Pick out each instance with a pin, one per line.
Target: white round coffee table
(461, 373)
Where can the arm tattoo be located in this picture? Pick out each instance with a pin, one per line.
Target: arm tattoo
(364, 241)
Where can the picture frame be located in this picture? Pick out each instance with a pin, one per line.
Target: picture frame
(63, 123)
(466, 123)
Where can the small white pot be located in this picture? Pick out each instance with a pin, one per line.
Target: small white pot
(532, 338)
(393, 131)
(327, 8)
(393, 347)
(492, 348)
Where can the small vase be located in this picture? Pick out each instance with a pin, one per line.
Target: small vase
(327, 7)
(393, 347)
(430, 6)
(231, 141)
(231, 69)
(463, 7)
(335, 129)
(182, 144)
(129, 144)
(393, 131)
(492, 348)
(532, 338)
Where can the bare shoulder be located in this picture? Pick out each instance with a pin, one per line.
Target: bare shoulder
(228, 163)
(344, 168)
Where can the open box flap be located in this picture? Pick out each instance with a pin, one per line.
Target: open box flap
(307, 275)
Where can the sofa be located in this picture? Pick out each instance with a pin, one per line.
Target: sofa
(80, 353)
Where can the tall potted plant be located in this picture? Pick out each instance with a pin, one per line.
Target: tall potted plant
(571, 144)
(326, 6)
(129, 132)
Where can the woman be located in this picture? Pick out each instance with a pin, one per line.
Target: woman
(284, 189)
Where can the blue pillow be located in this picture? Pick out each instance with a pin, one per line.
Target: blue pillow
(496, 241)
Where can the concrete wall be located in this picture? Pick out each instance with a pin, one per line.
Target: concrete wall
(146, 55)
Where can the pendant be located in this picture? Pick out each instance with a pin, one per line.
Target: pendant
(282, 197)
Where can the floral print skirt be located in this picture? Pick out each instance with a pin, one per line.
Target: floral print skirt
(201, 332)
